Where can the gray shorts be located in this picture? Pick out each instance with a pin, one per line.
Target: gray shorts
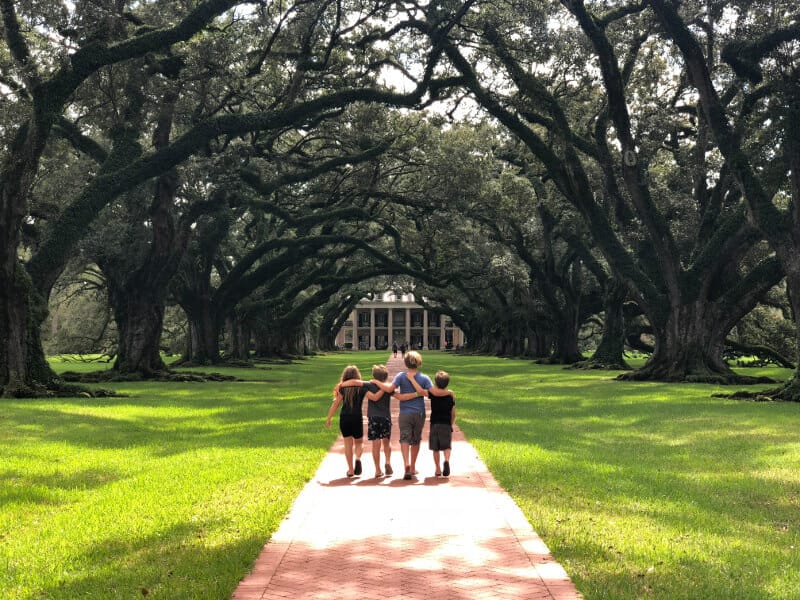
(411, 428)
(441, 437)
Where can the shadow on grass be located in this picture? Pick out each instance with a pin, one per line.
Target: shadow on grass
(170, 429)
(718, 474)
(19, 487)
(174, 564)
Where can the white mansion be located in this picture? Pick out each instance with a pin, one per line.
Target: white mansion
(377, 324)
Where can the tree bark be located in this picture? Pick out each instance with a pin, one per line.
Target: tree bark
(24, 371)
(690, 348)
(239, 338)
(610, 351)
(203, 345)
(140, 318)
(280, 344)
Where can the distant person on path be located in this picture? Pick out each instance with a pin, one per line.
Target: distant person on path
(412, 411)
(443, 417)
(403, 349)
(350, 419)
(394, 349)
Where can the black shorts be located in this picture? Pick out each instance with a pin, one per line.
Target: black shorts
(351, 426)
(379, 428)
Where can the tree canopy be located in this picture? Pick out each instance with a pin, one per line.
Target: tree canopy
(558, 177)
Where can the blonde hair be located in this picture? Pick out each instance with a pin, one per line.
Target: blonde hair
(413, 360)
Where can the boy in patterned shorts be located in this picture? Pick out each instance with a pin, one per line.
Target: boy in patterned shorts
(379, 420)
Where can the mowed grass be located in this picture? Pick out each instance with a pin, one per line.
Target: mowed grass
(167, 493)
(643, 490)
(639, 489)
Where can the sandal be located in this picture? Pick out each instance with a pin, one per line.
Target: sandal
(378, 475)
(389, 469)
(350, 474)
(357, 470)
(438, 474)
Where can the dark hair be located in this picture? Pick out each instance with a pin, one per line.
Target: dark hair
(380, 372)
(442, 379)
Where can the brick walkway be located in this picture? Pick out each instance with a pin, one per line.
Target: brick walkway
(460, 537)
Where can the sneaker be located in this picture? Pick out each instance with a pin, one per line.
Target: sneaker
(357, 470)
(407, 476)
(389, 469)
(446, 469)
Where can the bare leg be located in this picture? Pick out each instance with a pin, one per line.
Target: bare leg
(436, 462)
(387, 450)
(414, 454)
(358, 447)
(348, 454)
(404, 450)
(376, 456)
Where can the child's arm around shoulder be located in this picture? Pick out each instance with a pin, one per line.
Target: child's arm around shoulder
(420, 391)
(382, 386)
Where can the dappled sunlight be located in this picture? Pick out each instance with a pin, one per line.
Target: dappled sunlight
(632, 485)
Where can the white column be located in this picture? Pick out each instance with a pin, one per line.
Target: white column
(408, 326)
(372, 329)
(425, 329)
(355, 329)
(441, 332)
(390, 325)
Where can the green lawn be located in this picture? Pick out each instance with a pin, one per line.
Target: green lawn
(640, 490)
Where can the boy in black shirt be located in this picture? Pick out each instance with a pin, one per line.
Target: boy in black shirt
(443, 416)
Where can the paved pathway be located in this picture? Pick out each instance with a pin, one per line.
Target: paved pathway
(460, 538)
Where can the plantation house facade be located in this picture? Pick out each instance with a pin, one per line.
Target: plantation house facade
(378, 323)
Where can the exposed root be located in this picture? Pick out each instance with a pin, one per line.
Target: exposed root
(599, 365)
(709, 377)
(110, 376)
(790, 392)
(58, 390)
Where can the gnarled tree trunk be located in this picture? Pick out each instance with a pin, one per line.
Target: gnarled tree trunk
(203, 339)
(610, 350)
(24, 371)
(689, 348)
(139, 315)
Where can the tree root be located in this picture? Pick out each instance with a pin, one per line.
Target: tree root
(592, 364)
(109, 376)
(789, 392)
(58, 389)
(712, 378)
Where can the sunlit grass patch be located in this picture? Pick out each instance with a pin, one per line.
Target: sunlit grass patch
(645, 489)
(639, 489)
